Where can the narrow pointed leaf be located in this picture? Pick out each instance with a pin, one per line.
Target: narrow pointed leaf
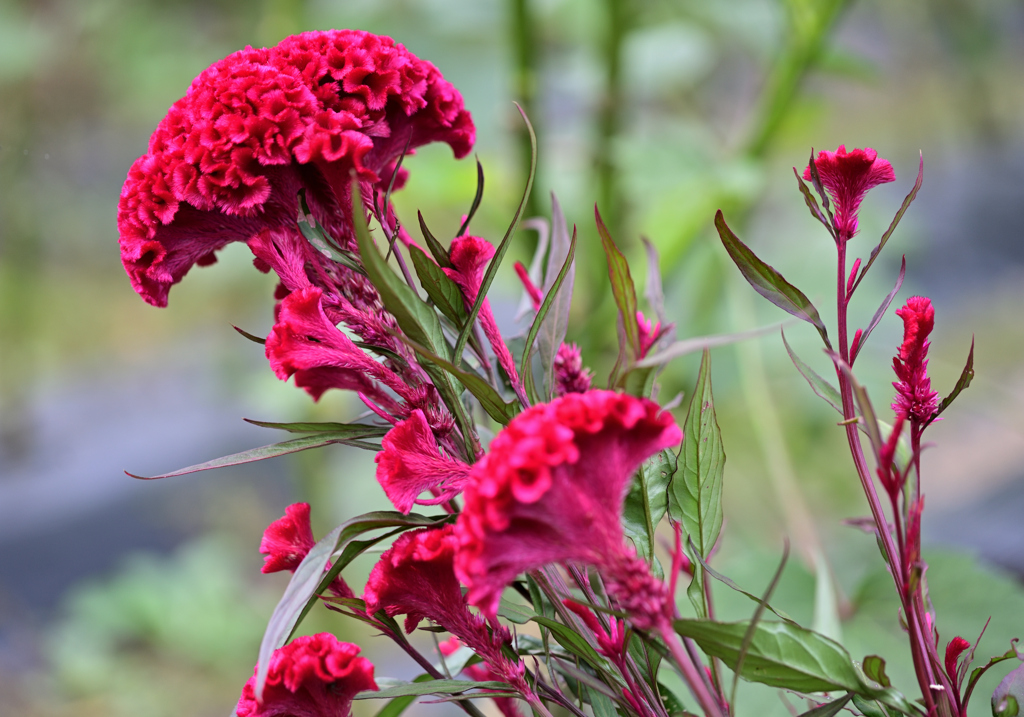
(444, 292)
(647, 501)
(437, 250)
(623, 288)
(556, 324)
(966, 376)
(255, 339)
(433, 687)
(828, 709)
(977, 672)
(821, 387)
(732, 584)
(818, 187)
(398, 705)
(812, 203)
(570, 640)
(353, 430)
(476, 199)
(881, 310)
(263, 452)
(868, 417)
(892, 226)
(689, 346)
(499, 254)
(767, 282)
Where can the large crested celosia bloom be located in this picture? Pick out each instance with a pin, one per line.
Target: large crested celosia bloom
(847, 176)
(228, 160)
(288, 540)
(915, 398)
(551, 489)
(415, 577)
(410, 463)
(313, 676)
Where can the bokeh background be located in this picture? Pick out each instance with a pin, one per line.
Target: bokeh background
(119, 597)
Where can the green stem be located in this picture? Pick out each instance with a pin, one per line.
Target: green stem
(610, 116)
(525, 47)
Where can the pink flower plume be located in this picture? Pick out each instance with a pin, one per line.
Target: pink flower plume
(410, 463)
(570, 376)
(847, 176)
(551, 489)
(312, 675)
(914, 395)
(228, 159)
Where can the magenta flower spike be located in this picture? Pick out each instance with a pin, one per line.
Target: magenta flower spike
(551, 489)
(228, 160)
(570, 376)
(848, 176)
(288, 540)
(410, 463)
(470, 255)
(914, 395)
(313, 675)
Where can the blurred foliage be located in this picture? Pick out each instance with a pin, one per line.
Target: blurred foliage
(662, 110)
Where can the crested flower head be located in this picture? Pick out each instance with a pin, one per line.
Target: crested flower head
(228, 160)
(312, 675)
(914, 395)
(288, 540)
(848, 176)
(410, 463)
(551, 489)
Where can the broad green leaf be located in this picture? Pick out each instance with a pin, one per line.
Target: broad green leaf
(398, 705)
(868, 707)
(353, 430)
(444, 292)
(555, 297)
(695, 493)
(499, 253)
(476, 199)
(821, 387)
(623, 288)
(556, 324)
(647, 502)
(516, 612)
(966, 376)
(780, 654)
(304, 582)
(437, 250)
(892, 226)
(272, 451)
(828, 709)
(252, 337)
(601, 703)
(767, 282)
(881, 311)
(434, 687)
(688, 346)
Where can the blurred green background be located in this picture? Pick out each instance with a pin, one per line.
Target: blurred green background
(126, 598)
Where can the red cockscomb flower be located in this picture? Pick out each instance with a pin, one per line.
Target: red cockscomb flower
(848, 176)
(914, 395)
(410, 463)
(228, 160)
(311, 676)
(551, 489)
(288, 540)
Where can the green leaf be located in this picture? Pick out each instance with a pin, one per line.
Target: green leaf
(1009, 694)
(499, 254)
(828, 709)
(868, 708)
(728, 582)
(516, 612)
(874, 668)
(821, 387)
(881, 311)
(695, 493)
(318, 237)
(252, 337)
(892, 226)
(552, 298)
(438, 251)
(353, 430)
(434, 687)
(601, 703)
(780, 654)
(398, 705)
(647, 502)
(444, 292)
(688, 346)
(263, 452)
(977, 672)
(623, 288)
(570, 640)
(767, 282)
(812, 203)
(556, 324)
(966, 376)
(476, 199)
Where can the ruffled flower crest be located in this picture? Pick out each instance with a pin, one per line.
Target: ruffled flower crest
(551, 489)
(847, 176)
(228, 160)
(914, 395)
(313, 675)
(288, 540)
(410, 463)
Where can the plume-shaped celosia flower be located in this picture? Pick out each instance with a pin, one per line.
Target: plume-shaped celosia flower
(551, 489)
(570, 376)
(410, 463)
(415, 577)
(848, 176)
(313, 676)
(229, 159)
(288, 540)
(914, 395)
(954, 648)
